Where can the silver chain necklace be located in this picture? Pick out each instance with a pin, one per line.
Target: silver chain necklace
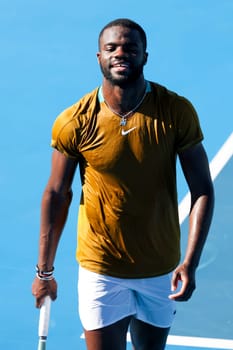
(124, 117)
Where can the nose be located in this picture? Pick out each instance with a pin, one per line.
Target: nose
(120, 52)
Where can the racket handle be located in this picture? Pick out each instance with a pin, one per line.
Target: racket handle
(44, 318)
(41, 345)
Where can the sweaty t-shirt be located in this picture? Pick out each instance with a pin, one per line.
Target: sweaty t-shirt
(128, 216)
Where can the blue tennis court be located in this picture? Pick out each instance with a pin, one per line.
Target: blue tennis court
(47, 63)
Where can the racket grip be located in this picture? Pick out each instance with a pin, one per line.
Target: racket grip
(41, 345)
(44, 318)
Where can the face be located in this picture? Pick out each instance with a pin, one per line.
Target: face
(121, 56)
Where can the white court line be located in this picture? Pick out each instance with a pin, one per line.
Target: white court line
(216, 165)
(198, 342)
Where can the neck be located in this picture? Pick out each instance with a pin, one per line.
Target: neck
(123, 99)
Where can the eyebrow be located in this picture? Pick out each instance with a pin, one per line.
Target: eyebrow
(134, 44)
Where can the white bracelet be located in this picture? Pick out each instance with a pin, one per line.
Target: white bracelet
(45, 278)
(41, 272)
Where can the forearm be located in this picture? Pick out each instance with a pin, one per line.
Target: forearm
(199, 223)
(195, 166)
(54, 211)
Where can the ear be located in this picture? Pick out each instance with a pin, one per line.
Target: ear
(98, 57)
(145, 57)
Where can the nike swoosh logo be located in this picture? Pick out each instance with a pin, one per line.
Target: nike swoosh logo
(125, 132)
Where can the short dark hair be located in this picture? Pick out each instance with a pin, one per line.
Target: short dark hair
(128, 23)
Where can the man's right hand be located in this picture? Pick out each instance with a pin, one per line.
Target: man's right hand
(40, 289)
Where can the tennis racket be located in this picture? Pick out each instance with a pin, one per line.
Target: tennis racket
(44, 323)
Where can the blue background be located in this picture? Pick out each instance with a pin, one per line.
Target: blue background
(47, 62)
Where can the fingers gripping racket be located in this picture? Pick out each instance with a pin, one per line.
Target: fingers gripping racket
(44, 323)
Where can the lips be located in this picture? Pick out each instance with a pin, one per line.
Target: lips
(121, 66)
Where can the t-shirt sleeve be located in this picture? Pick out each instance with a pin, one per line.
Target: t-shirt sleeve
(65, 133)
(188, 129)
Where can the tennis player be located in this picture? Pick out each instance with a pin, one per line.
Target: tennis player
(126, 136)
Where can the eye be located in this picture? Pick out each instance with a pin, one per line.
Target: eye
(133, 49)
(110, 48)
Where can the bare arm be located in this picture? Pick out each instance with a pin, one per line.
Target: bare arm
(54, 210)
(195, 166)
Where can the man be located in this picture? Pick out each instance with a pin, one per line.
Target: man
(126, 136)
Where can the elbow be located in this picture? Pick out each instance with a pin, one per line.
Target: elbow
(204, 194)
(209, 192)
(211, 196)
(57, 198)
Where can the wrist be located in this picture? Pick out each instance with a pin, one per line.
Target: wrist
(43, 268)
(190, 265)
(44, 275)
(46, 278)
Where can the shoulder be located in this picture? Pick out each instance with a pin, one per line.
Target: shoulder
(178, 107)
(181, 114)
(75, 115)
(169, 97)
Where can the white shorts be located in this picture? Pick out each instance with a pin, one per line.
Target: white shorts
(104, 300)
